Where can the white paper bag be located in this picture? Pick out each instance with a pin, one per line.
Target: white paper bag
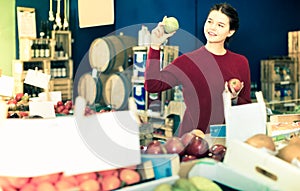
(244, 121)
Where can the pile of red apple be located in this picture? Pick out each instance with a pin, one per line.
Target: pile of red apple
(93, 181)
(189, 146)
(63, 108)
(18, 106)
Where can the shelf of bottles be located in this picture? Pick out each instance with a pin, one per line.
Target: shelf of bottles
(50, 53)
(279, 82)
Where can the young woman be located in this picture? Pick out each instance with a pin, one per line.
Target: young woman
(202, 72)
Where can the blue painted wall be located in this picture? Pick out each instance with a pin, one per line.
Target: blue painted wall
(263, 28)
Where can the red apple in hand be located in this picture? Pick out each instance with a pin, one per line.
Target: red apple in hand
(235, 83)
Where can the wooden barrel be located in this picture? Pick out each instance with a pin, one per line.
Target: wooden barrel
(108, 54)
(117, 90)
(90, 87)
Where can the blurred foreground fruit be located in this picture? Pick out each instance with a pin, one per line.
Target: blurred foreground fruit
(290, 152)
(130, 176)
(155, 147)
(261, 141)
(197, 147)
(204, 184)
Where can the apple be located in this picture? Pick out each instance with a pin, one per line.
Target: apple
(186, 158)
(65, 111)
(60, 108)
(217, 152)
(197, 147)
(155, 147)
(198, 133)
(69, 104)
(19, 96)
(235, 84)
(174, 145)
(59, 103)
(170, 24)
(12, 101)
(187, 137)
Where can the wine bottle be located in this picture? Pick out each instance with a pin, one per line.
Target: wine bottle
(42, 49)
(37, 49)
(56, 50)
(33, 47)
(61, 50)
(47, 49)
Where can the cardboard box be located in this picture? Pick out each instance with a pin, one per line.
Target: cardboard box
(225, 175)
(244, 121)
(262, 166)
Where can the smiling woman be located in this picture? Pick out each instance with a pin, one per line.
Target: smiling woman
(7, 35)
(202, 73)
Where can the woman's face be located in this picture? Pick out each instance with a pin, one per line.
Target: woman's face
(217, 27)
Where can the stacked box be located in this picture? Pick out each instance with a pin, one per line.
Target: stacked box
(279, 82)
(65, 86)
(294, 49)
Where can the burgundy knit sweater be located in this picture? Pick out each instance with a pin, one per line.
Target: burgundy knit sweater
(202, 76)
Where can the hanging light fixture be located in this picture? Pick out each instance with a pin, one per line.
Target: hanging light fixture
(51, 16)
(57, 18)
(66, 23)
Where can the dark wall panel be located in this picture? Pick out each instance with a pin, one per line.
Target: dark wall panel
(263, 28)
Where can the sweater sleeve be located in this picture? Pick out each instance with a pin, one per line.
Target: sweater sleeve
(157, 80)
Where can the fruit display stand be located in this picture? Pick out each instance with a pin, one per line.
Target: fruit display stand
(56, 145)
(282, 127)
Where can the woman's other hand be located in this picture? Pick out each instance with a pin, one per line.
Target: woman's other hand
(234, 94)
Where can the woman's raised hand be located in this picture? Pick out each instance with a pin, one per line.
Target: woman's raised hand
(158, 36)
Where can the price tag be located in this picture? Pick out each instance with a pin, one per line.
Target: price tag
(38, 79)
(7, 85)
(43, 108)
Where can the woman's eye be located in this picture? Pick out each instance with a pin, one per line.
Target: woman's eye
(221, 25)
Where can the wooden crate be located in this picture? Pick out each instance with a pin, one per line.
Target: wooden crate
(65, 86)
(170, 53)
(25, 51)
(278, 70)
(64, 37)
(274, 92)
(293, 42)
(20, 67)
(68, 64)
(296, 57)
